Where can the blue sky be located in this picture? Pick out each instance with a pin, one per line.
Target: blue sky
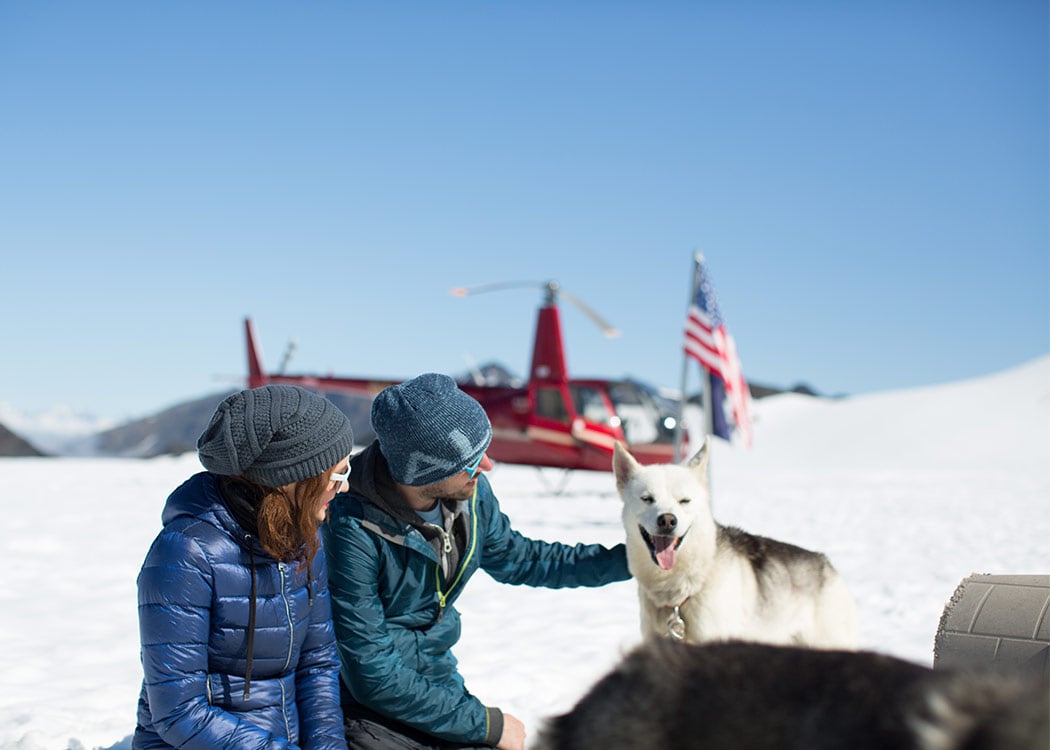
(868, 181)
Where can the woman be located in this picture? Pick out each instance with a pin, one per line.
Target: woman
(234, 615)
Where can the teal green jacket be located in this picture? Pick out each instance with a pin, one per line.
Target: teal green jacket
(393, 607)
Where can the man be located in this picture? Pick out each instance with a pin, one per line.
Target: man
(419, 520)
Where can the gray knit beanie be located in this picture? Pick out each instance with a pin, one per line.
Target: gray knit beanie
(275, 435)
(429, 429)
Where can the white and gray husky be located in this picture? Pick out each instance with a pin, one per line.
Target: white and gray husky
(753, 696)
(700, 581)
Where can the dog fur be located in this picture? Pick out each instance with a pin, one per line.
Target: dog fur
(748, 696)
(702, 581)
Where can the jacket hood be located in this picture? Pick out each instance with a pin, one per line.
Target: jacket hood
(199, 497)
(370, 478)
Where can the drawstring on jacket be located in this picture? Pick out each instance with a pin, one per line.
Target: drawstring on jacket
(251, 621)
(251, 612)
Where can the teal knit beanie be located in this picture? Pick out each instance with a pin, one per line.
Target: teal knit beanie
(428, 429)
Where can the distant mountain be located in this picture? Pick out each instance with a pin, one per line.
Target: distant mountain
(175, 430)
(492, 374)
(59, 430)
(761, 391)
(172, 431)
(12, 445)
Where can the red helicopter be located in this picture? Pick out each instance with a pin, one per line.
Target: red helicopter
(550, 421)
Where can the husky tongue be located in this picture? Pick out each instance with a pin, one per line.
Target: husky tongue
(663, 548)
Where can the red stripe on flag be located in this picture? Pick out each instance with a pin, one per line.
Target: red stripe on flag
(715, 350)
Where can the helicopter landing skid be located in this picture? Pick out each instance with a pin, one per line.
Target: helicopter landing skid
(560, 485)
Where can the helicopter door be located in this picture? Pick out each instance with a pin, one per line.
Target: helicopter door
(550, 405)
(591, 404)
(595, 423)
(550, 420)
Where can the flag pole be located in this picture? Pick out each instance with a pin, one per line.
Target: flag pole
(697, 260)
(709, 415)
(705, 377)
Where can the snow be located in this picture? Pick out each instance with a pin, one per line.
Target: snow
(908, 492)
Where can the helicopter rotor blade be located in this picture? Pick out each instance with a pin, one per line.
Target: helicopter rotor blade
(464, 291)
(553, 291)
(607, 329)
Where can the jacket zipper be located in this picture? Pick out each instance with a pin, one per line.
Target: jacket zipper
(288, 614)
(444, 595)
(446, 543)
(291, 642)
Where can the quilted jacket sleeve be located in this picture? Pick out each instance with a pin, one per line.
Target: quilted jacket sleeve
(174, 600)
(317, 675)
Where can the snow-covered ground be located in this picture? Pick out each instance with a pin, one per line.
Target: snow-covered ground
(908, 492)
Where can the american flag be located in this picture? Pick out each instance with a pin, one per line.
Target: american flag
(709, 343)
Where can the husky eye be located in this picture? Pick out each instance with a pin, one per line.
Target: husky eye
(685, 501)
(648, 499)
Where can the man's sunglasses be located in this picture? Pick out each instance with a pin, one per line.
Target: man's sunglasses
(472, 470)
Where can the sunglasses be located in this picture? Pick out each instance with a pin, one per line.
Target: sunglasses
(340, 478)
(472, 470)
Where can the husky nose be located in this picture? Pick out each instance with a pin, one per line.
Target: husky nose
(666, 522)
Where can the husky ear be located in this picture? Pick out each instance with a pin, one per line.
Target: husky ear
(624, 465)
(698, 463)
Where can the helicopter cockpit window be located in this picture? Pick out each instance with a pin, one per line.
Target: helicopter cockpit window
(643, 418)
(589, 404)
(549, 405)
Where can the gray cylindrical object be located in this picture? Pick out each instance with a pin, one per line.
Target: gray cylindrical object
(999, 622)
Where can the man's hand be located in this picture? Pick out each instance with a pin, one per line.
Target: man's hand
(513, 737)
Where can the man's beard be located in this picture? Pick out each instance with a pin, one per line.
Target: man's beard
(448, 489)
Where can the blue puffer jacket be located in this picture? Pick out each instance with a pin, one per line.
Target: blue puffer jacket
(393, 606)
(213, 679)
